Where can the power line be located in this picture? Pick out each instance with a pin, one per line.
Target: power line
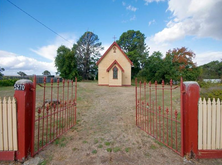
(39, 21)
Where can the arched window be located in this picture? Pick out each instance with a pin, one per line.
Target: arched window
(115, 73)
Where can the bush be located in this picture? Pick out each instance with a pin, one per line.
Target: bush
(204, 84)
(213, 94)
(211, 90)
(9, 82)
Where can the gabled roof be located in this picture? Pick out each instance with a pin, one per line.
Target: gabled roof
(114, 62)
(114, 44)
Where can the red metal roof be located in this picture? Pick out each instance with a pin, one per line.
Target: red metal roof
(114, 62)
(114, 44)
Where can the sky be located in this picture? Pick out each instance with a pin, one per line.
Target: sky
(29, 39)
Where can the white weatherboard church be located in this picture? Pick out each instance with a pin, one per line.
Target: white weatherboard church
(114, 68)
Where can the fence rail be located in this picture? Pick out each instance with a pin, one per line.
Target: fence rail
(210, 124)
(8, 124)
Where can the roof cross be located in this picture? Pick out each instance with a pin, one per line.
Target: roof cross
(114, 38)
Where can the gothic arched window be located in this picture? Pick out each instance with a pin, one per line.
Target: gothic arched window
(115, 73)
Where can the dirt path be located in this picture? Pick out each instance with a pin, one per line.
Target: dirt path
(106, 133)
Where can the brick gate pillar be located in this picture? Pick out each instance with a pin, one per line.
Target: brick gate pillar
(190, 116)
(24, 96)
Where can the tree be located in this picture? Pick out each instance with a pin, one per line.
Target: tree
(152, 70)
(46, 73)
(180, 63)
(1, 70)
(211, 70)
(133, 44)
(22, 74)
(87, 50)
(177, 63)
(66, 63)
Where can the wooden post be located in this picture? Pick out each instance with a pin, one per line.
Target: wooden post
(24, 97)
(190, 116)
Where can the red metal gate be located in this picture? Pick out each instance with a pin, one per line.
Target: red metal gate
(159, 112)
(55, 111)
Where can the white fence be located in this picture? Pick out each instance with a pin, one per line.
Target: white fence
(8, 124)
(209, 124)
(212, 80)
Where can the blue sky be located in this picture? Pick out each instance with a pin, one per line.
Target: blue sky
(26, 45)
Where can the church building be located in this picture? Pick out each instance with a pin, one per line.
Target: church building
(114, 68)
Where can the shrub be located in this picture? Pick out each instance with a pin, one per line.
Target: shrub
(9, 82)
(213, 91)
(215, 94)
(204, 84)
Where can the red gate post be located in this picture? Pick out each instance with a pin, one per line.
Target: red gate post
(190, 116)
(24, 96)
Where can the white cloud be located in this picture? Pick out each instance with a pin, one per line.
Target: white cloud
(206, 57)
(162, 47)
(192, 18)
(150, 1)
(151, 22)
(131, 8)
(50, 51)
(13, 63)
(173, 33)
(133, 18)
(123, 3)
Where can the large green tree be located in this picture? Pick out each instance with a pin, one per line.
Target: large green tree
(66, 63)
(152, 70)
(87, 50)
(133, 44)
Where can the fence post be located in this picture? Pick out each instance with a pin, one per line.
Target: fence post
(24, 96)
(190, 116)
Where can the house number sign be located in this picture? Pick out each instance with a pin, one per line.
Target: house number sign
(20, 87)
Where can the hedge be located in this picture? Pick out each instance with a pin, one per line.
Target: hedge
(9, 82)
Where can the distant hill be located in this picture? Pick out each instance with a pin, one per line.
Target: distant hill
(211, 70)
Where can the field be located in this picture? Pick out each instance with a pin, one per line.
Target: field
(106, 132)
